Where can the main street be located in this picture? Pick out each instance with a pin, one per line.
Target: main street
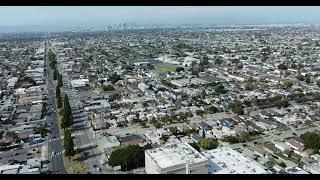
(86, 135)
(55, 147)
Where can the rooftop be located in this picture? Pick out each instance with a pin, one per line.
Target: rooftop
(225, 160)
(175, 154)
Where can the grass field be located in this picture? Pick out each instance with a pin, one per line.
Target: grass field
(164, 68)
(74, 166)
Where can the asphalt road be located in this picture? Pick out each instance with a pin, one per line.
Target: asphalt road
(81, 126)
(55, 147)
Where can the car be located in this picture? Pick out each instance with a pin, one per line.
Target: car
(53, 153)
(94, 166)
(98, 169)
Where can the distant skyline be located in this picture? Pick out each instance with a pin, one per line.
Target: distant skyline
(65, 16)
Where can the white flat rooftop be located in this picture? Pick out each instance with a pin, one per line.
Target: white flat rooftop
(225, 160)
(175, 154)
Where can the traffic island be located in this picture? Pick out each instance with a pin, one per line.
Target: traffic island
(74, 166)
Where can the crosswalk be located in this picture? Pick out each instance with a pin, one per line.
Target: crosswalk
(51, 156)
(61, 138)
(55, 139)
(78, 134)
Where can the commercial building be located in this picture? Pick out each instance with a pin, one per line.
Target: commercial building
(225, 160)
(175, 159)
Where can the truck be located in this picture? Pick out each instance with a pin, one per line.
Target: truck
(102, 161)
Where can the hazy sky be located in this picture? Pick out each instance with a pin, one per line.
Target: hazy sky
(93, 15)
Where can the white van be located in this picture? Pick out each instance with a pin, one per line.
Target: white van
(102, 161)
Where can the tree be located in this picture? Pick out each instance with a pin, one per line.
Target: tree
(67, 113)
(13, 135)
(249, 87)
(129, 157)
(247, 103)
(300, 77)
(203, 134)
(55, 74)
(68, 144)
(285, 103)
(282, 164)
(282, 67)
(193, 64)
(183, 116)
(143, 124)
(231, 139)
(213, 109)
(207, 143)
(307, 78)
(108, 88)
(194, 72)
(219, 89)
(42, 129)
(239, 65)
(60, 80)
(153, 121)
(158, 125)
(59, 102)
(145, 104)
(151, 87)
(179, 69)
(294, 65)
(199, 112)
(66, 104)
(64, 121)
(51, 56)
(237, 107)
(311, 140)
(101, 81)
(288, 84)
(278, 103)
(204, 61)
(57, 91)
(150, 66)
(114, 97)
(218, 61)
(164, 138)
(114, 78)
(44, 109)
(195, 146)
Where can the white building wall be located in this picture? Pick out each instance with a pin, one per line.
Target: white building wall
(150, 165)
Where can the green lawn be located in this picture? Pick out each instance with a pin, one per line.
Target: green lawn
(165, 68)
